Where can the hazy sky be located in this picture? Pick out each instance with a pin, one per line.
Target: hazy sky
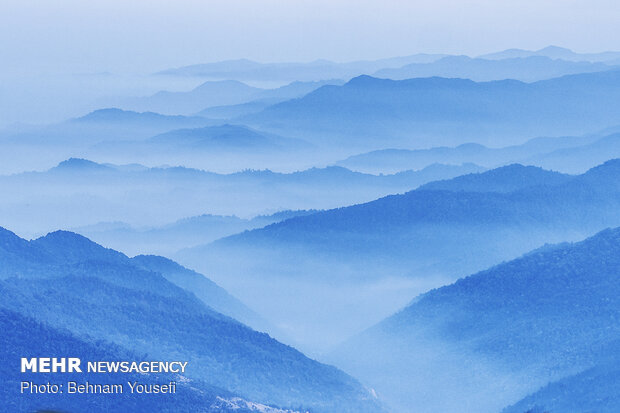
(146, 35)
(55, 54)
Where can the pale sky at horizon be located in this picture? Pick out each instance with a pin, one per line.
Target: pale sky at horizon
(75, 36)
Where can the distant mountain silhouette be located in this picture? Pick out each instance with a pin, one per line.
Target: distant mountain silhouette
(555, 52)
(211, 93)
(437, 111)
(228, 112)
(170, 238)
(527, 69)
(297, 89)
(247, 70)
(110, 124)
(226, 137)
(115, 115)
(133, 194)
(559, 153)
(579, 158)
(546, 315)
(220, 93)
(79, 164)
(265, 99)
(103, 295)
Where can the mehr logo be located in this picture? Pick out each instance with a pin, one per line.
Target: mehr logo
(51, 365)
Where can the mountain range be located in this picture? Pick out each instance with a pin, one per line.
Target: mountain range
(29, 148)
(526, 69)
(211, 93)
(424, 233)
(225, 138)
(247, 70)
(430, 112)
(401, 244)
(555, 52)
(228, 112)
(220, 93)
(140, 196)
(170, 238)
(334, 121)
(103, 125)
(557, 153)
(582, 157)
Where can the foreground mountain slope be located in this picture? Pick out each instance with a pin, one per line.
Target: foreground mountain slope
(495, 336)
(139, 309)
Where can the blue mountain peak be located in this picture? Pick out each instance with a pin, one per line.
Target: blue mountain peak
(75, 247)
(64, 237)
(80, 163)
